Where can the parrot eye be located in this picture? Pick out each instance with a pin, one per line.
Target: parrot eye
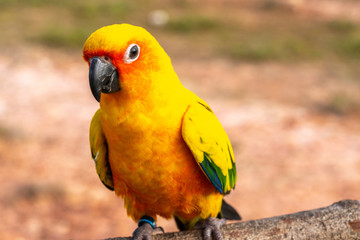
(131, 53)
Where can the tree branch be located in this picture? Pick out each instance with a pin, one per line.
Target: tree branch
(341, 220)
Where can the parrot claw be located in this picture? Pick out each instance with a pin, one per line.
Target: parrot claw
(145, 231)
(211, 228)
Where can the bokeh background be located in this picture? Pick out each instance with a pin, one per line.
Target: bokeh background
(282, 77)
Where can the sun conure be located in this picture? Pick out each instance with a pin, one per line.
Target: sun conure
(154, 142)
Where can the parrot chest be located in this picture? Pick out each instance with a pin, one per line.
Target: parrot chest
(153, 168)
(147, 154)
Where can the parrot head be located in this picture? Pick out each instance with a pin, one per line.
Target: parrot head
(125, 61)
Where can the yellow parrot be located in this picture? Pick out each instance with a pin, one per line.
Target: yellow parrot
(154, 142)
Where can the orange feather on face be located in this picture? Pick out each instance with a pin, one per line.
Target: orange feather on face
(152, 167)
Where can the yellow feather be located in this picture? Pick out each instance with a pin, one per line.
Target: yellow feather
(139, 129)
(204, 134)
(99, 151)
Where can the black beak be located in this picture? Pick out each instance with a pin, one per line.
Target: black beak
(103, 77)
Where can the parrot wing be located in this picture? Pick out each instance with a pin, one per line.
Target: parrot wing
(210, 145)
(99, 151)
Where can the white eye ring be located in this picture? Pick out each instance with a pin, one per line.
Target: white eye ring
(132, 53)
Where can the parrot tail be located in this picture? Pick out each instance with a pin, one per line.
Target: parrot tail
(227, 212)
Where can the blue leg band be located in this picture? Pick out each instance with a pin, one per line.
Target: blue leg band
(147, 219)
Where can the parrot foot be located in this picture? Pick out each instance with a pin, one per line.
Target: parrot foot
(145, 231)
(211, 228)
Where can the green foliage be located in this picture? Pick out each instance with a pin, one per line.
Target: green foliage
(33, 3)
(98, 10)
(270, 5)
(342, 26)
(192, 24)
(349, 47)
(275, 35)
(270, 48)
(61, 37)
(64, 23)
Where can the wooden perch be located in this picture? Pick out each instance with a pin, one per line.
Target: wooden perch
(341, 220)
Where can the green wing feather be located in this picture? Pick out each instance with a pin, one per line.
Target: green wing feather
(210, 145)
(99, 151)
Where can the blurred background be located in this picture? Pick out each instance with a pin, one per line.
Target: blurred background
(282, 77)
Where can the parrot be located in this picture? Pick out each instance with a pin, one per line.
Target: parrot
(155, 143)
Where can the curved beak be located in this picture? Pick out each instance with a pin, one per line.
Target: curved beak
(103, 77)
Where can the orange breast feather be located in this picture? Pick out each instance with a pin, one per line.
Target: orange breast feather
(154, 170)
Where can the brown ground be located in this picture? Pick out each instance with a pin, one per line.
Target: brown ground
(294, 151)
